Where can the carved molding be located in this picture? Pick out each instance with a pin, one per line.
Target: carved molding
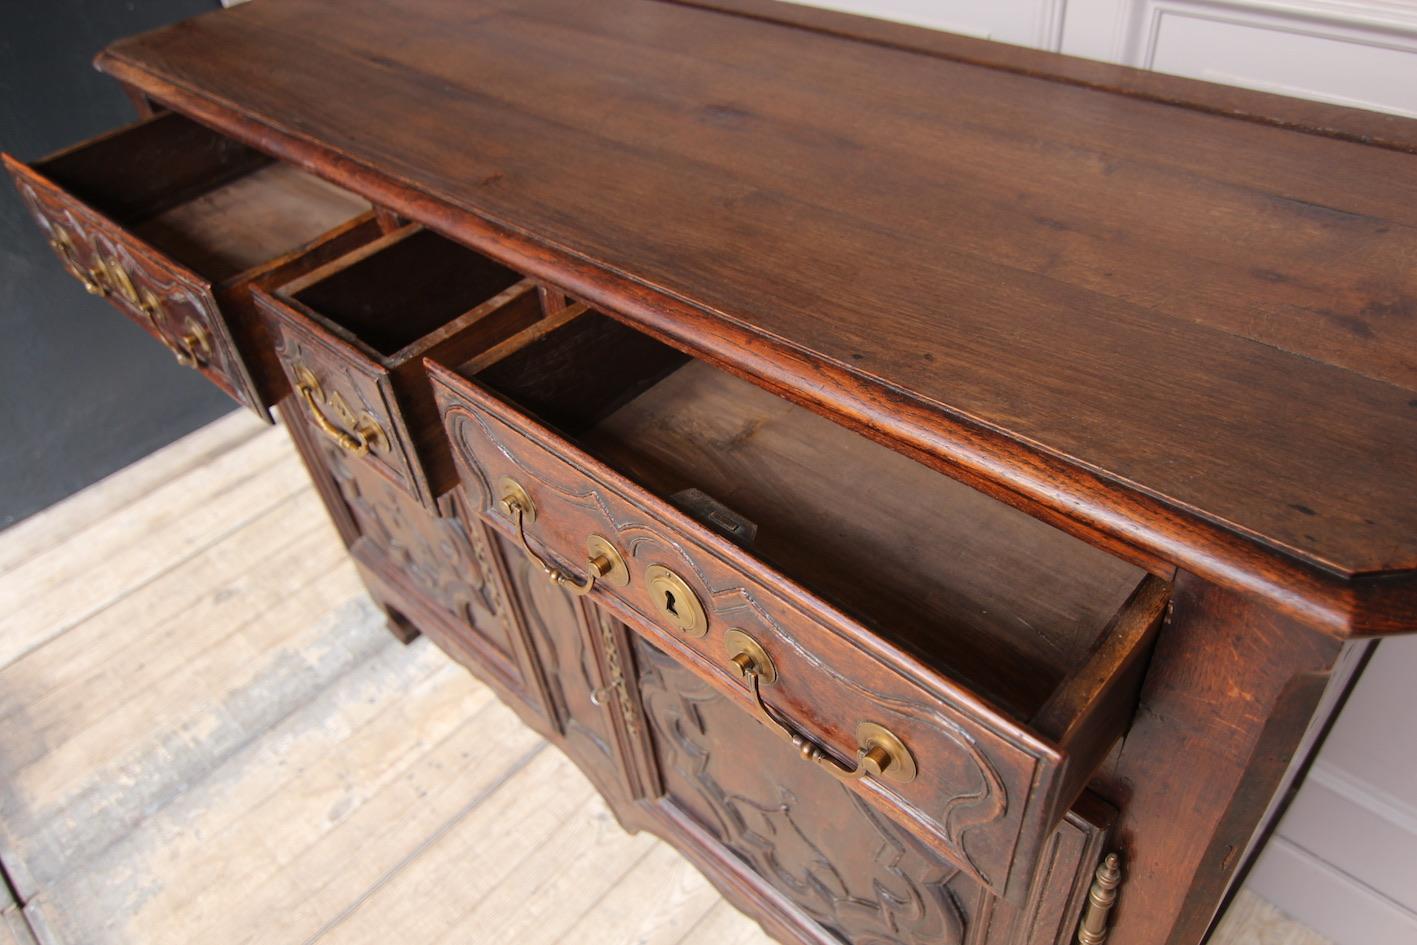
(566, 659)
(903, 898)
(359, 390)
(184, 294)
(438, 554)
(972, 808)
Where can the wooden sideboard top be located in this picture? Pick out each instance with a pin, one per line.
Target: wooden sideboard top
(1188, 335)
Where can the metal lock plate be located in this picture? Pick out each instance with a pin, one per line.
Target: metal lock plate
(605, 559)
(675, 602)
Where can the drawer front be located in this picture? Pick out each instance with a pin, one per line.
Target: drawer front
(347, 398)
(984, 789)
(856, 874)
(173, 304)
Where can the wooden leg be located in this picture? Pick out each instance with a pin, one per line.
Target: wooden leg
(400, 626)
(1231, 694)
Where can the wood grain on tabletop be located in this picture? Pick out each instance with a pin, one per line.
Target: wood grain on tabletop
(1212, 314)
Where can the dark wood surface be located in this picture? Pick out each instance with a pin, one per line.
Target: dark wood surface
(269, 213)
(362, 324)
(1228, 698)
(197, 221)
(1335, 121)
(999, 779)
(975, 588)
(853, 872)
(1171, 319)
(1184, 331)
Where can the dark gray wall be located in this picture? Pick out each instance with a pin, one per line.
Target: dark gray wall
(82, 391)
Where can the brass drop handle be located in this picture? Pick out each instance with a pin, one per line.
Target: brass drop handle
(119, 279)
(880, 753)
(92, 279)
(366, 433)
(192, 350)
(603, 560)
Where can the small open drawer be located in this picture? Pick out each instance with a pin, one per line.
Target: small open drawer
(351, 337)
(963, 666)
(174, 224)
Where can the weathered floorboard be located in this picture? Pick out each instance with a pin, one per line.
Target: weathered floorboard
(219, 742)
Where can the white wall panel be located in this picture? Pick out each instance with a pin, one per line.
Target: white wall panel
(1022, 22)
(1340, 907)
(1344, 859)
(1305, 50)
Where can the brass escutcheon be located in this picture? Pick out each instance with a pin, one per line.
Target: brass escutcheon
(675, 601)
(884, 755)
(747, 655)
(511, 495)
(600, 549)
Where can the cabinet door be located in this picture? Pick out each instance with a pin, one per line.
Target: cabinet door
(440, 572)
(578, 650)
(855, 875)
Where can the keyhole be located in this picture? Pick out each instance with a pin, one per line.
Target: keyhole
(669, 603)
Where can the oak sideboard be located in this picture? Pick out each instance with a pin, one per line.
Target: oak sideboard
(942, 488)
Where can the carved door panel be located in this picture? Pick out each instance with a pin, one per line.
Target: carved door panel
(578, 649)
(862, 878)
(440, 572)
(852, 870)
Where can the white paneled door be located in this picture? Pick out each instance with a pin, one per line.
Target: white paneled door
(1344, 860)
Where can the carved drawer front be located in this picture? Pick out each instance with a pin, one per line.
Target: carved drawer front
(948, 725)
(174, 224)
(352, 335)
(854, 873)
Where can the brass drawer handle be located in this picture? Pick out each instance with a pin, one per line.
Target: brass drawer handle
(366, 433)
(603, 560)
(193, 349)
(881, 754)
(92, 279)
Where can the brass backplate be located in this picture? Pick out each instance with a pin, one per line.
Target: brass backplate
(675, 602)
(737, 642)
(510, 492)
(597, 547)
(902, 768)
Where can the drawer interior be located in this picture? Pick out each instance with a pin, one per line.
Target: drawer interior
(401, 289)
(995, 598)
(216, 206)
(382, 308)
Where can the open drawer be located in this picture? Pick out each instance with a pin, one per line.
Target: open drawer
(351, 337)
(964, 667)
(174, 224)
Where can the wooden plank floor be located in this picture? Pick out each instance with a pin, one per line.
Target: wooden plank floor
(207, 736)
